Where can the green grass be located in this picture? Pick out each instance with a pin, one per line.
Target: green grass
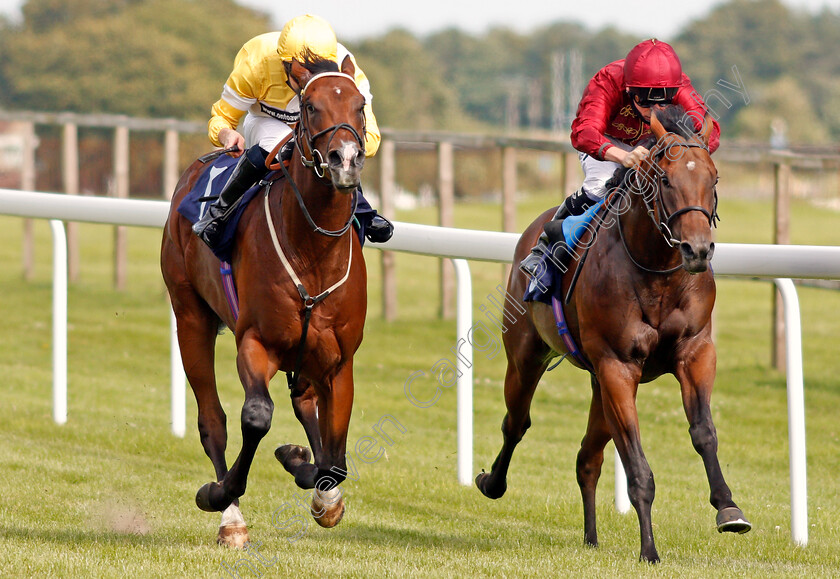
(110, 494)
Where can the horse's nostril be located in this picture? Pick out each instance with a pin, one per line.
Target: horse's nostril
(686, 249)
(334, 158)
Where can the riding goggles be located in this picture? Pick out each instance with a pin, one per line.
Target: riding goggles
(656, 95)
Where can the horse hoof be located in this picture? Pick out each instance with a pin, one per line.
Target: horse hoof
(327, 507)
(732, 520)
(291, 456)
(234, 536)
(482, 482)
(206, 502)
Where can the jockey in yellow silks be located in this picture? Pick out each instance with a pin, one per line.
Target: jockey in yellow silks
(257, 107)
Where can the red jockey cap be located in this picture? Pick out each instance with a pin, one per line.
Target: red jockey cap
(652, 64)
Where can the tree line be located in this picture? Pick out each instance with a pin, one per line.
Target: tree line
(169, 58)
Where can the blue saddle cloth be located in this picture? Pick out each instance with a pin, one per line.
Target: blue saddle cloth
(204, 193)
(547, 280)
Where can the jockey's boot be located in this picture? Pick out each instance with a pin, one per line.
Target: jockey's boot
(379, 230)
(575, 204)
(373, 226)
(249, 170)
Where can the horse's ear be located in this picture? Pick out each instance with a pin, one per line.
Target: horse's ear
(706, 129)
(656, 127)
(347, 66)
(298, 75)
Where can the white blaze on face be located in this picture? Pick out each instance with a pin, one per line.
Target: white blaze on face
(690, 165)
(348, 153)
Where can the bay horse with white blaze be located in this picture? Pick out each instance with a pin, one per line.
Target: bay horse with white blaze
(301, 280)
(642, 308)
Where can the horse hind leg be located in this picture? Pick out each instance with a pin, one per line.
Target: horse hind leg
(297, 460)
(590, 458)
(197, 331)
(521, 381)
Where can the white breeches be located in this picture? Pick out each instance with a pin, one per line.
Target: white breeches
(264, 131)
(596, 173)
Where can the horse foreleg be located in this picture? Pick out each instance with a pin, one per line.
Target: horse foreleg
(521, 381)
(619, 383)
(294, 458)
(254, 372)
(589, 461)
(696, 380)
(335, 404)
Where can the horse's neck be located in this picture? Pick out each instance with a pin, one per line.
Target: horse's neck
(329, 209)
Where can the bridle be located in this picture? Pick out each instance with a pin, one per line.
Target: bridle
(303, 135)
(664, 222)
(655, 207)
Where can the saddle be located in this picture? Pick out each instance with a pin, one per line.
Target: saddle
(563, 236)
(207, 189)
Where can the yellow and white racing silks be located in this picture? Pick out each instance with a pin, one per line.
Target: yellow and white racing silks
(257, 86)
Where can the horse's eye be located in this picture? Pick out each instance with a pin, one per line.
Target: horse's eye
(310, 109)
(665, 182)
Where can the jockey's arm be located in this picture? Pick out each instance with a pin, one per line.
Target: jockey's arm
(372, 135)
(625, 158)
(229, 138)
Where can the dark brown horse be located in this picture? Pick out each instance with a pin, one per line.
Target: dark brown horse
(642, 307)
(299, 230)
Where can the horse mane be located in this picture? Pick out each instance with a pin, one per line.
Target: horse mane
(673, 119)
(317, 64)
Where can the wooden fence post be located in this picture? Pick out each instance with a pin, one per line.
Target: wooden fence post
(446, 193)
(570, 183)
(508, 199)
(27, 183)
(781, 236)
(387, 184)
(564, 174)
(70, 179)
(170, 163)
(121, 184)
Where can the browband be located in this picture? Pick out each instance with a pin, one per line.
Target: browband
(322, 74)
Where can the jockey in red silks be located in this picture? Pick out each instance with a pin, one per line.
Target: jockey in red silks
(613, 117)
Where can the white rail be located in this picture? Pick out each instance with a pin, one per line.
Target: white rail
(770, 261)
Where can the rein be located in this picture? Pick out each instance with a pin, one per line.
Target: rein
(663, 222)
(315, 227)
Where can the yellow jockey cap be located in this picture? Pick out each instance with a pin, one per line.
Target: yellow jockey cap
(307, 33)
